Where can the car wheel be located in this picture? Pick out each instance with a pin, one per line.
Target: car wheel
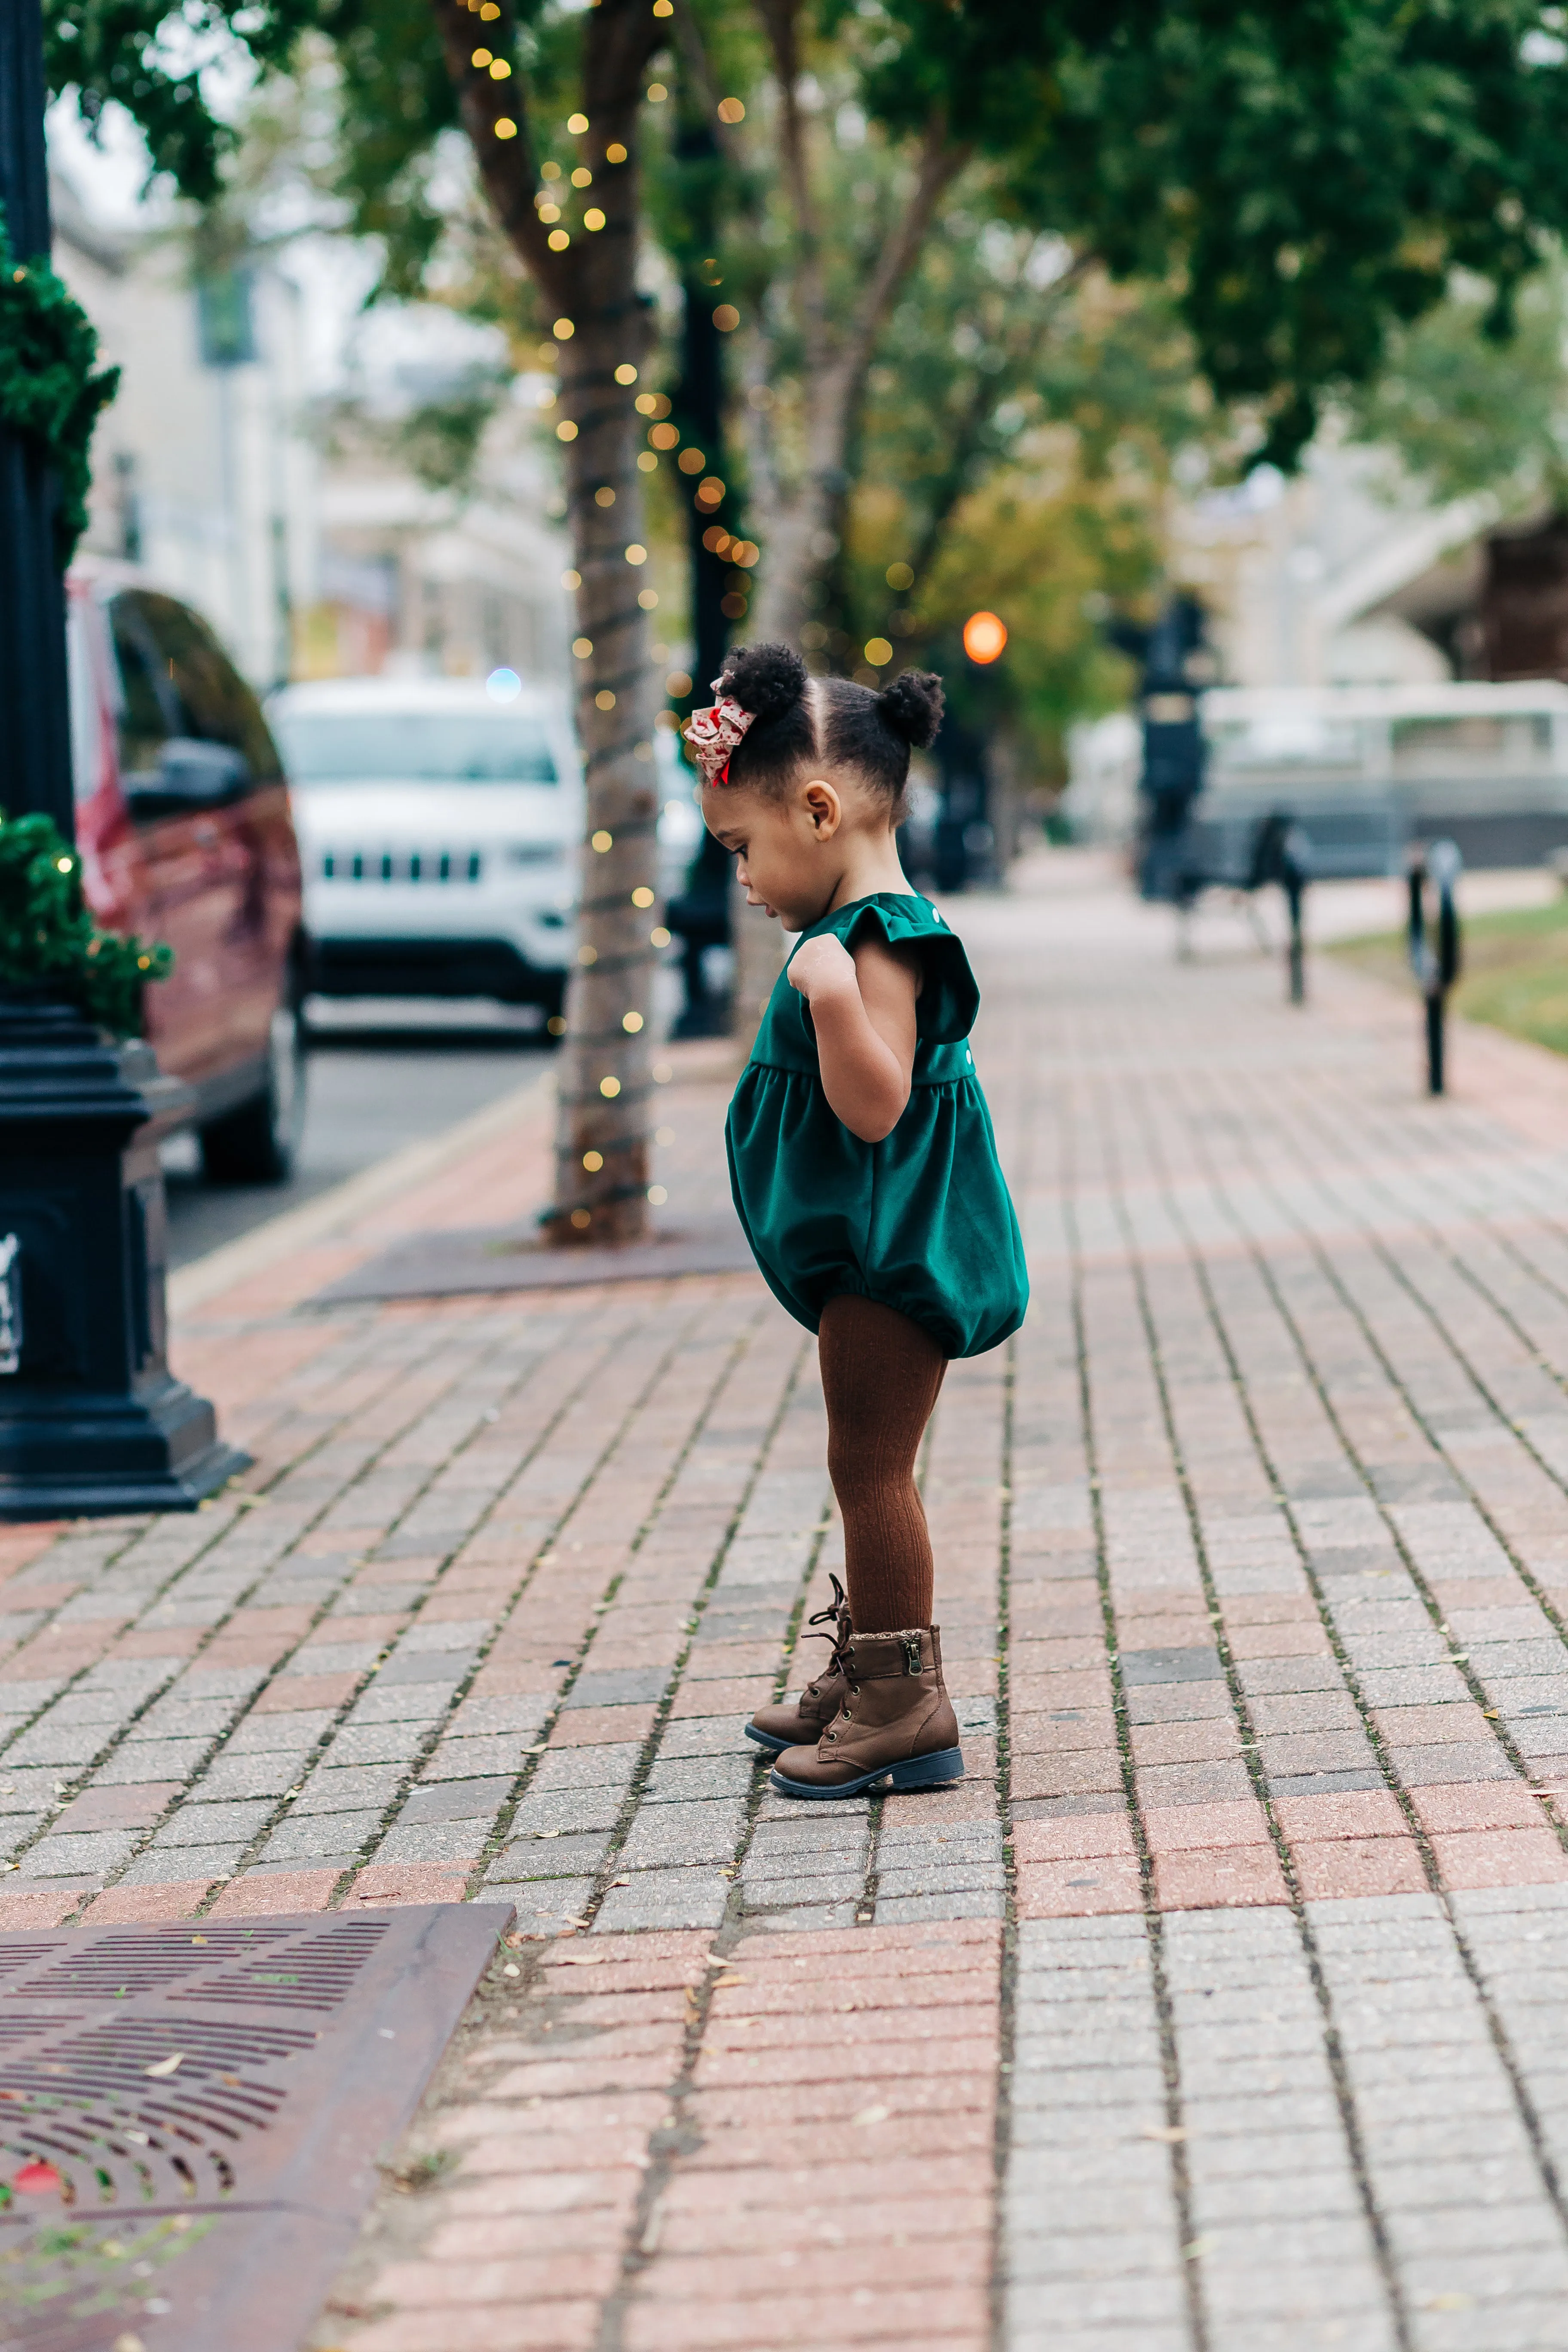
(257, 1142)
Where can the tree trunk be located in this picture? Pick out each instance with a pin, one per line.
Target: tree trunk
(801, 536)
(598, 318)
(794, 553)
(760, 946)
(604, 1080)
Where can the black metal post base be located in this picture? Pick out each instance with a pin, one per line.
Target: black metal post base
(109, 1455)
(93, 1421)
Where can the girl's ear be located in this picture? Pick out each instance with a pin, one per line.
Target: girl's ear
(823, 807)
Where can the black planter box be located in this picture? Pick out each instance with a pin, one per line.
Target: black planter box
(92, 1420)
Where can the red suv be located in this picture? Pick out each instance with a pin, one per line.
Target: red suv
(185, 831)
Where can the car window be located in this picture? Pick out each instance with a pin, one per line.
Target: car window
(465, 747)
(150, 709)
(197, 690)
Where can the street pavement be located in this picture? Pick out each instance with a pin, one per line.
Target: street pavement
(366, 1095)
(1220, 2008)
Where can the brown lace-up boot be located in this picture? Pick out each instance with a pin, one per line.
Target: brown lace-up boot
(897, 1723)
(807, 1717)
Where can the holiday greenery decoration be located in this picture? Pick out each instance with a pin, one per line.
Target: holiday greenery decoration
(48, 390)
(49, 944)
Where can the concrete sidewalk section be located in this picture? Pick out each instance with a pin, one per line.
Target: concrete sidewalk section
(1220, 2008)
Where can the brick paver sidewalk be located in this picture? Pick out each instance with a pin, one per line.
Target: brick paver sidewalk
(1221, 2007)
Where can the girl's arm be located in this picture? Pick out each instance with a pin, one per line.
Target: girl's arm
(863, 1011)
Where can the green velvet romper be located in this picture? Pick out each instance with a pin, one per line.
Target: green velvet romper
(920, 1221)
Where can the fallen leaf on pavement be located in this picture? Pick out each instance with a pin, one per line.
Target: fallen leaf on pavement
(36, 2180)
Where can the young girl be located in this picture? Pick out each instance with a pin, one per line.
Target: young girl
(864, 1170)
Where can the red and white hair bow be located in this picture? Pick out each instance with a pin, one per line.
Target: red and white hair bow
(714, 732)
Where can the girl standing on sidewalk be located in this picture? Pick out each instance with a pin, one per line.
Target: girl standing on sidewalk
(864, 1170)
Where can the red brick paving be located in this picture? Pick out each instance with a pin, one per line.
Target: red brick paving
(1227, 1438)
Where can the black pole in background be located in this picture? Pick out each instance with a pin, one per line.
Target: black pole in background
(1295, 872)
(701, 914)
(1435, 957)
(35, 710)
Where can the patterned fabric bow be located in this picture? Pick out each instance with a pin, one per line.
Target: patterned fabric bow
(714, 732)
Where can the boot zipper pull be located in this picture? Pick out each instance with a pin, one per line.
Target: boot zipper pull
(911, 1654)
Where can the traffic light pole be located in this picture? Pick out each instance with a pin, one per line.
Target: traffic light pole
(92, 1420)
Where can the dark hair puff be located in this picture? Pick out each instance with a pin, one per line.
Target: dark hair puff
(912, 707)
(766, 680)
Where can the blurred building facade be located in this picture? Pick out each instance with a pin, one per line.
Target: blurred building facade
(1319, 581)
(200, 473)
(313, 554)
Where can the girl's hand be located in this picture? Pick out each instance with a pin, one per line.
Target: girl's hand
(863, 1014)
(823, 968)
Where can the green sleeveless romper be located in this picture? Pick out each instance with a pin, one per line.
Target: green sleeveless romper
(920, 1221)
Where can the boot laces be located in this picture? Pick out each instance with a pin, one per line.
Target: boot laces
(838, 1612)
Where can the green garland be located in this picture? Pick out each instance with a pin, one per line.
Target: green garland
(49, 941)
(49, 391)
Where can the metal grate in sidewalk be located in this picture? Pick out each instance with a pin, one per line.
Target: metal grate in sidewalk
(191, 2116)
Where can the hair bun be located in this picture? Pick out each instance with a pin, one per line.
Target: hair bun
(766, 680)
(912, 707)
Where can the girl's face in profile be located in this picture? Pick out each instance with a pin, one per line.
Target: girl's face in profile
(784, 846)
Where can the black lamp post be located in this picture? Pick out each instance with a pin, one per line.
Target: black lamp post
(700, 914)
(90, 1418)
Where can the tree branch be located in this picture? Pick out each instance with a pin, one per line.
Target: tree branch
(781, 22)
(623, 35)
(940, 166)
(964, 444)
(693, 50)
(507, 165)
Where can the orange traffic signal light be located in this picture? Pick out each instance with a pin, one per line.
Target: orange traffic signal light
(985, 636)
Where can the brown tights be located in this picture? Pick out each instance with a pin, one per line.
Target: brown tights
(881, 1375)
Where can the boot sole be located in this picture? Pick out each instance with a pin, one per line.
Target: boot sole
(917, 1772)
(765, 1739)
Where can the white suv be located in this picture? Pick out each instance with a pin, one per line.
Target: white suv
(439, 822)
